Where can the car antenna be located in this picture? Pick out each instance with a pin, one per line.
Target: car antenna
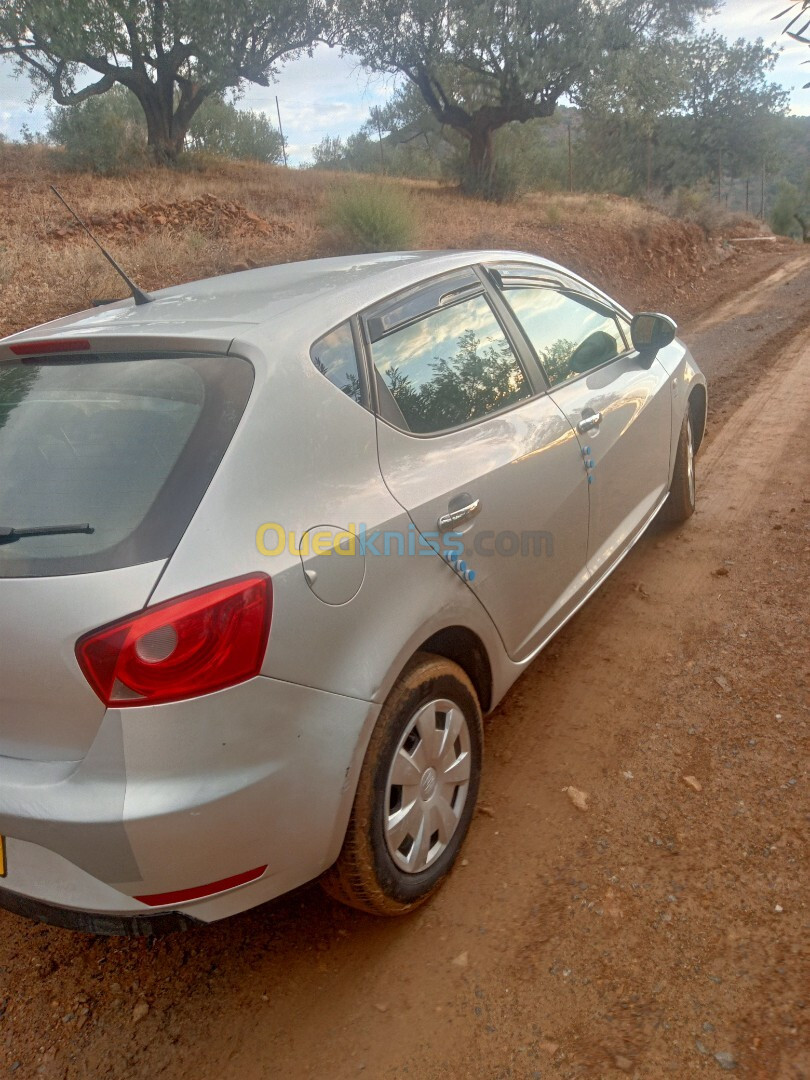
(139, 295)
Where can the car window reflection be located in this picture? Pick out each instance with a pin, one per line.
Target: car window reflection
(451, 367)
(568, 337)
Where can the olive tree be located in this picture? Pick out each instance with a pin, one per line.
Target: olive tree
(171, 54)
(481, 65)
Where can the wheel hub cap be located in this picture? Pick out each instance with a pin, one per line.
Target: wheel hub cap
(427, 786)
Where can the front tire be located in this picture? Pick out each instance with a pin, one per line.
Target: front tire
(680, 504)
(416, 794)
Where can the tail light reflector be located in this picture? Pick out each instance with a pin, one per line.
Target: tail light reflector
(198, 643)
(183, 896)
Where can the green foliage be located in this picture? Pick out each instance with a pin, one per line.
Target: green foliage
(414, 144)
(172, 54)
(220, 128)
(538, 150)
(400, 139)
(671, 116)
(104, 134)
(359, 153)
(786, 205)
(330, 153)
(791, 211)
(730, 103)
(793, 148)
(107, 134)
(372, 217)
(479, 67)
(698, 205)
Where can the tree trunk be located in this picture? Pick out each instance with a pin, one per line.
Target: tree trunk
(163, 143)
(167, 126)
(480, 178)
(161, 136)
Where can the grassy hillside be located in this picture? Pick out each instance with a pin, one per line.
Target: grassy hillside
(167, 227)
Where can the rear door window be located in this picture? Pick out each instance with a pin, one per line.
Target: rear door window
(448, 368)
(123, 447)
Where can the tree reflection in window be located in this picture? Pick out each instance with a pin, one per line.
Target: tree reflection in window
(555, 360)
(436, 389)
(15, 383)
(569, 335)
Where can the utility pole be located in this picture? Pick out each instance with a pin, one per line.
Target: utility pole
(747, 192)
(379, 137)
(570, 161)
(762, 200)
(281, 132)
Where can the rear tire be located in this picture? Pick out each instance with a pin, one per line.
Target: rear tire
(416, 794)
(680, 504)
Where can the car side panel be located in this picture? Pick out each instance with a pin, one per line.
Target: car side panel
(525, 468)
(629, 448)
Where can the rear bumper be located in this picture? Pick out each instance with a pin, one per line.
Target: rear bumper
(174, 797)
(89, 922)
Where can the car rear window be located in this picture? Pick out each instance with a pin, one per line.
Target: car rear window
(126, 446)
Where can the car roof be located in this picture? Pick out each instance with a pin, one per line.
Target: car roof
(217, 307)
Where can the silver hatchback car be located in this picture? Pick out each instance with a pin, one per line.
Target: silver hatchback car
(273, 543)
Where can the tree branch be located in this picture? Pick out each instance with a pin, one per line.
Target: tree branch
(54, 80)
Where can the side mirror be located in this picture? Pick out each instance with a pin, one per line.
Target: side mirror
(651, 333)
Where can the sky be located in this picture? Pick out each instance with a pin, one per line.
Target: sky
(332, 95)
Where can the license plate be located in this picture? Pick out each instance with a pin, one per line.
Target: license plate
(2, 856)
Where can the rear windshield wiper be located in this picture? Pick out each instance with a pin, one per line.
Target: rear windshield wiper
(8, 535)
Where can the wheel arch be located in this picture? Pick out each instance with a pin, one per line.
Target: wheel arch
(465, 648)
(697, 413)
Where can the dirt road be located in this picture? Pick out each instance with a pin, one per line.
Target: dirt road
(661, 932)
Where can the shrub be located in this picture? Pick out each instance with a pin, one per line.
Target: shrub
(372, 217)
(699, 206)
(107, 134)
(553, 214)
(220, 128)
(104, 134)
(330, 153)
(791, 211)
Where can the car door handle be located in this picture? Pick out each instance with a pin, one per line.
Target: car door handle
(592, 421)
(458, 517)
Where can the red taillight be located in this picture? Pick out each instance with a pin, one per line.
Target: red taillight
(41, 348)
(196, 644)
